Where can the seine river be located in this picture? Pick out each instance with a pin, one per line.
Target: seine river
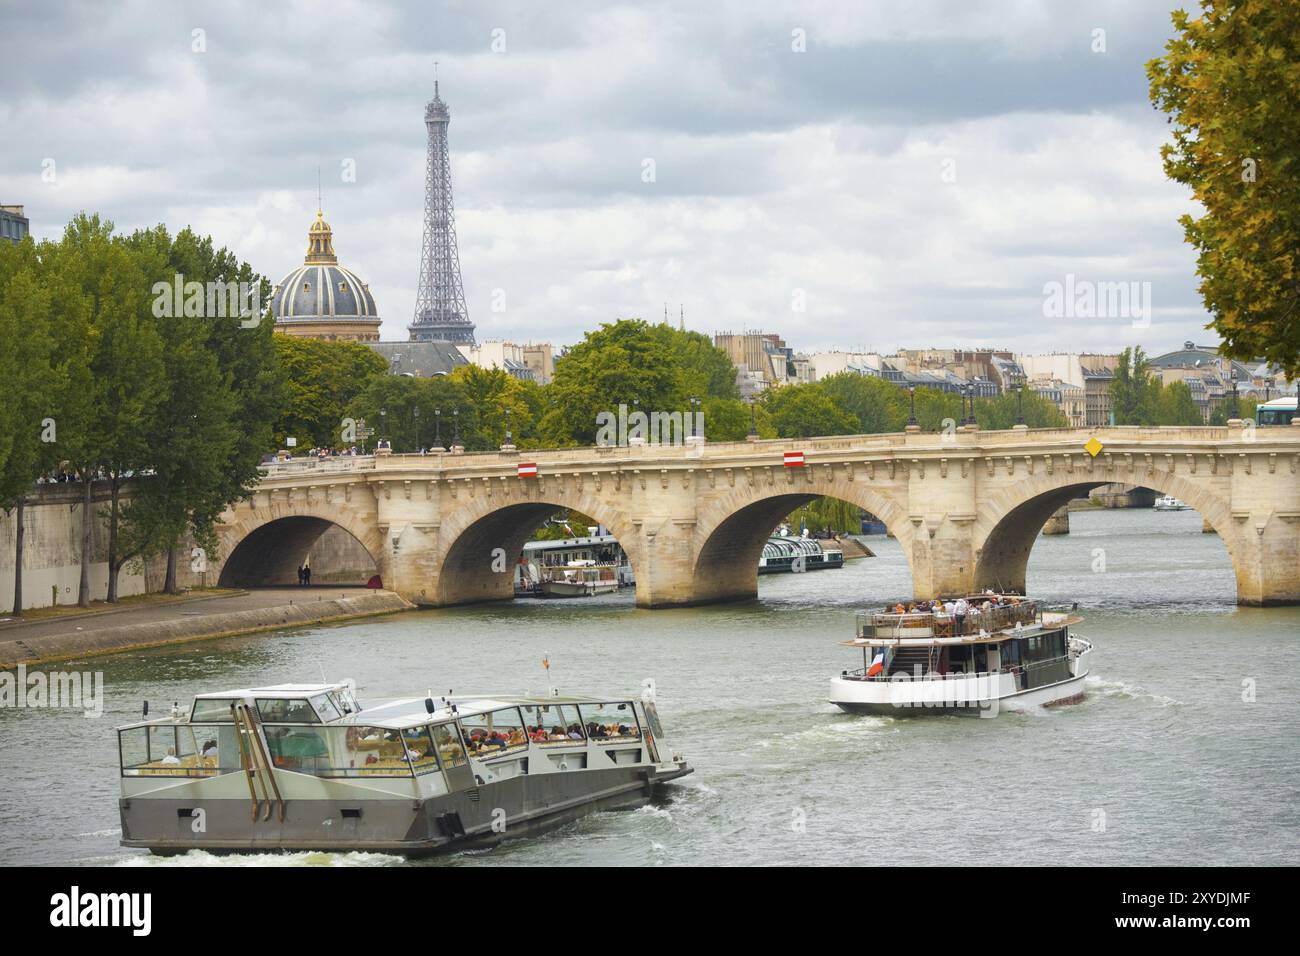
(1164, 762)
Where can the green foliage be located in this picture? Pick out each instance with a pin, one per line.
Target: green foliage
(627, 362)
(1138, 397)
(804, 411)
(578, 523)
(31, 383)
(729, 419)
(1000, 412)
(320, 380)
(827, 514)
(415, 413)
(878, 405)
(1230, 82)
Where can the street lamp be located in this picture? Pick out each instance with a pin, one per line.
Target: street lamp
(911, 394)
(437, 428)
(753, 419)
(415, 417)
(1020, 404)
(455, 420)
(695, 403)
(508, 425)
(383, 423)
(1236, 409)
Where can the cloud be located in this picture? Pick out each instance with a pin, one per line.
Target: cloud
(917, 174)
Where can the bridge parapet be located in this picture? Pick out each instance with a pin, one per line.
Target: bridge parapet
(965, 506)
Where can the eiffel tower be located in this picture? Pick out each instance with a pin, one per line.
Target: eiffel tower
(440, 312)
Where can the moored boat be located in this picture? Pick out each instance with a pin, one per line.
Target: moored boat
(1170, 503)
(307, 767)
(580, 579)
(977, 655)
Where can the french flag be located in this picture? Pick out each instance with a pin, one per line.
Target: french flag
(527, 469)
(877, 664)
(794, 459)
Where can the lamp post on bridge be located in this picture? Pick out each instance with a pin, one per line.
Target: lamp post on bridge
(1020, 403)
(437, 428)
(912, 425)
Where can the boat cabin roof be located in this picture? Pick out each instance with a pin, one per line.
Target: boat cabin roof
(390, 714)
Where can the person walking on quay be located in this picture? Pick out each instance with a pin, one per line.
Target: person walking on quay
(306, 574)
(302, 576)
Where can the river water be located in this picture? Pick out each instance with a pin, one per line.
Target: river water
(1162, 762)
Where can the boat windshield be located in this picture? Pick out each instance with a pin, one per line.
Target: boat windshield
(178, 750)
(287, 710)
(493, 733)
(616, 721)
(553, 724)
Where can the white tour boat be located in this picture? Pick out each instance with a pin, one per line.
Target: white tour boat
(977, 655)
(308, 767)
(1170, 503)
(580, 579)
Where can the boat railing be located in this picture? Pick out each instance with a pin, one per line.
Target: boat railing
(921, 624)
(1016, 670)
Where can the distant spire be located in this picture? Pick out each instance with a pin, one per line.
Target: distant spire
(682, 327)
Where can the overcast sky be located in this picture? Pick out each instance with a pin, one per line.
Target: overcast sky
(820, 178)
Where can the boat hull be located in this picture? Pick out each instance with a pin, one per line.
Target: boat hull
(973, 697)
(475, 817)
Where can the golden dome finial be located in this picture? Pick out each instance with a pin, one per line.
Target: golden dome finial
(320, 243)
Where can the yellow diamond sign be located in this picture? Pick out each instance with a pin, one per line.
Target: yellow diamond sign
(1093, 447)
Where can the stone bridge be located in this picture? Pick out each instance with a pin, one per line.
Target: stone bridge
(446, 529)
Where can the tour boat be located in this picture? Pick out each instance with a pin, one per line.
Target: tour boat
(580, 579)
(783, 553)
(298, 767)
(1170, 503)
(1003, 653)
(540, 558)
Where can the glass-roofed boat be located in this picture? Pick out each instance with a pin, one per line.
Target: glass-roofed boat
(973, 655)
(309, 767)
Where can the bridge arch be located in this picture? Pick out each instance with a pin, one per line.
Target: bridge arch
(480, 541)
(265, 546)
(1012, 518)
(732, 528)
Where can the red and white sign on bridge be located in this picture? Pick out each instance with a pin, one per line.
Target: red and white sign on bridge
(794, 459)
(527, 469)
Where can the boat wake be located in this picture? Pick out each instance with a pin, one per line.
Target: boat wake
(1123, 690)
(314, 858)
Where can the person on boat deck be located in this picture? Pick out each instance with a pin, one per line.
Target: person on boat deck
(575, 732)
(959, 609)
(899, 609)
(557, 733)
(210, 750)
(596, 731)
(171, 756)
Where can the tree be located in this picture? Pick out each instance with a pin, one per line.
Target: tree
(805, 411)
(491, 392)
(1230, 82)
(1001, 411)
(27, 428)
(729, 419)
(878, 405)
(1132, 392)
(111, 357)
(320, 381)
(415, 413)
(655, 368)
(1174, 405)
(215, 426)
